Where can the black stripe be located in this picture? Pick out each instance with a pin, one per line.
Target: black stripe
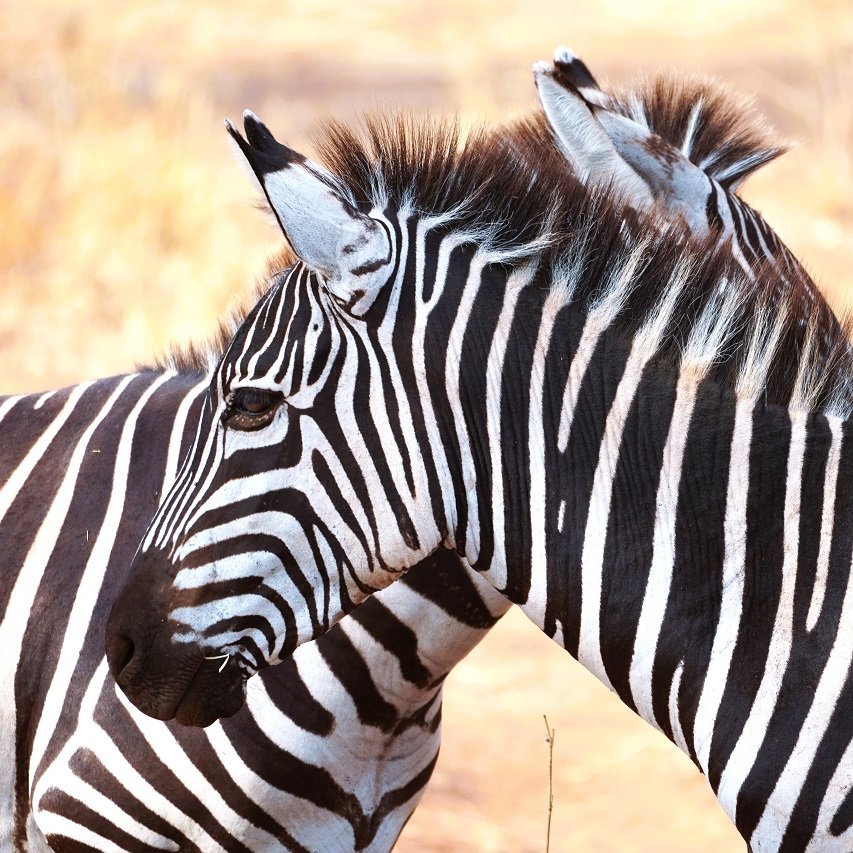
(762, 583)
(592, 406)
(630, 527)
(693, 609)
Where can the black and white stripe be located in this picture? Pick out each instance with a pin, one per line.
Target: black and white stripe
(628, 435)
(333, 748)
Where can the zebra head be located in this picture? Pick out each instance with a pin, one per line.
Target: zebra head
(262, 543)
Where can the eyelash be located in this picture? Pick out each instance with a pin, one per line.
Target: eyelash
(238, 416)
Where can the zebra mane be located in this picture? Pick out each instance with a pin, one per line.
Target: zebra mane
(717, 130)
(751, 335)
(510, 191)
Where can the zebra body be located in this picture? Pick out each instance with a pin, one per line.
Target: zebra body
(608, 423)
(334, 747)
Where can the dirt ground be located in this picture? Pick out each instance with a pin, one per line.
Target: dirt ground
(125, 226)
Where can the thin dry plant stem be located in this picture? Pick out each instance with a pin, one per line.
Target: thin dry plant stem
(550, 741)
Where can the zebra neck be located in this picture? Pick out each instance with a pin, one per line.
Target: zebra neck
(649, 522)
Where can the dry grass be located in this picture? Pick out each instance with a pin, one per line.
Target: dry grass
(125, 225)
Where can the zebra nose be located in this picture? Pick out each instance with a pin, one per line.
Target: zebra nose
(124, 650)
(120, 654)
(136, 617)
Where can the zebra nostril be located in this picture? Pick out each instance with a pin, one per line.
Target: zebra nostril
(125, 656)
(120, 654)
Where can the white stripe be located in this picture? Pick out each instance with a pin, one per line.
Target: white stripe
(43, 399)
(752, 736)
(595, 535)
(8, 404)
(663, 550)
(674, 715)
(54, 824)
(580, 362)
(453, 372)
(731, 593)
(435, 448)
(535, 604)
(830, 483)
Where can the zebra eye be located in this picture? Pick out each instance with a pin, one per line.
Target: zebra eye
(251, 408)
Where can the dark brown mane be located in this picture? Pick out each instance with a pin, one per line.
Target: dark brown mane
(508, 188)
(728, 139)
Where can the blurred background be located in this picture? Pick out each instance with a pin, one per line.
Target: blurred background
(125, 225)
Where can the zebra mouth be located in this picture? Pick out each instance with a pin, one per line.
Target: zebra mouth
(169, 680)
(195, 692)
(217, 690)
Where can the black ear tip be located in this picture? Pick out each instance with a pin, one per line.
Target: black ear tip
(237, 137)
(257, 132)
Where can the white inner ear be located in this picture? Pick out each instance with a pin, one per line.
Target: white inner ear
(585, 144)
(350, 249)
(676, 182)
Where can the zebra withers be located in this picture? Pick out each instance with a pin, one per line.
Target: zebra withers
(604, 420)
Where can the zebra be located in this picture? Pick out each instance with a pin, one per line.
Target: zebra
(333, 750)
(633, 440)
(82, 468)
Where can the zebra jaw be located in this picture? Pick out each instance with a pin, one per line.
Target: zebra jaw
(351, 250)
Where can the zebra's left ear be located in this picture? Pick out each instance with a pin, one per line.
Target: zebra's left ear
(350, 249)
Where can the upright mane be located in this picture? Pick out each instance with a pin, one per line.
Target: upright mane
(466, 184)
(715, 129)
(511, 191)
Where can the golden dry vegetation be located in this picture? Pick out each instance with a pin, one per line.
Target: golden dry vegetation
(124, 225)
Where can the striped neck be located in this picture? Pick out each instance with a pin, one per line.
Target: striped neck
(672, 535)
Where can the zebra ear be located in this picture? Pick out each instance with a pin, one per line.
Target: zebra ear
(681, 186)
(583, 141)
(350, 249)
(571, 96)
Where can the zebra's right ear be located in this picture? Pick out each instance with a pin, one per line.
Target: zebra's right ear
(350, 249)
(572, 99)
(583, 141)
